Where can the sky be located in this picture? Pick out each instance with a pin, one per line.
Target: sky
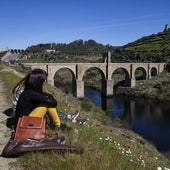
(24, 23)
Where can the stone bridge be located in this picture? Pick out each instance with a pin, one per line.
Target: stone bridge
(106, 69)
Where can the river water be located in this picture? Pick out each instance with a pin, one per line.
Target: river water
(148, 118)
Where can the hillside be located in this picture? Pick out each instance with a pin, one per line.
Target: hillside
(116, 147)
(155, 48)
(151, 48)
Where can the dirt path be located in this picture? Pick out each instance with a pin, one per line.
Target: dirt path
(4, 132)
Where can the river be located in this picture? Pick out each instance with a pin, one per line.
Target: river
(148, 118)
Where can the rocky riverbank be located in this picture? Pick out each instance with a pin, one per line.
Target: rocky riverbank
(156, 88)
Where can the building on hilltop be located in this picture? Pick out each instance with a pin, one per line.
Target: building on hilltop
(50, 51)
(166, 28)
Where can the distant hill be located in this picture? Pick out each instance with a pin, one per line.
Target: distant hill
(152, 48)
(78, 49)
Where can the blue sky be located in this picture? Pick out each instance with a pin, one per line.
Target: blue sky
(29, 22)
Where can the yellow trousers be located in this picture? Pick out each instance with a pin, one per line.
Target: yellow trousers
(40, 111)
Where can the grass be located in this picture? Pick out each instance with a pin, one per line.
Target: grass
(105, 145)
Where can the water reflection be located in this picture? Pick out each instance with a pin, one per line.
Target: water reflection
(149, 118)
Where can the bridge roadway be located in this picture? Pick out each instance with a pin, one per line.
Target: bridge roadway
(106, 69)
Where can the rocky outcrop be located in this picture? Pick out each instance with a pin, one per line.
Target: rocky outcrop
(10, 57)
(156, 88)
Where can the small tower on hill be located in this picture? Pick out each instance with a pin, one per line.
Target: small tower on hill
(166, 28)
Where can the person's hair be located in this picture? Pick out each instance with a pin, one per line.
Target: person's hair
(33, 80)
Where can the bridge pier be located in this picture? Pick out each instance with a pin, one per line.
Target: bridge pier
(108, 91)
(79, 89)
(133, 82)
(50, 79)
(51, 82)
(107, 88)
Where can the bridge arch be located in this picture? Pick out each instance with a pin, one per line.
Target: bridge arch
(100, 83)
(83, 68)
(114, 66)
(52, 69)
(93, 69)
(65, 78)
(140, 73)
(121, 77)
(153, 71)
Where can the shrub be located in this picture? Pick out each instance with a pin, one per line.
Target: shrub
(87, 105)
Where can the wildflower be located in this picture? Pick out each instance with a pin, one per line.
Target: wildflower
(108, 139)
(167, 168)
(159, 168)
(140, 157)
(143, 163)
(128, 151)
(126, 146)
(97, 124)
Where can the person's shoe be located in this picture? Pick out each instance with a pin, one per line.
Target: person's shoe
(81, 121)
(74, 116)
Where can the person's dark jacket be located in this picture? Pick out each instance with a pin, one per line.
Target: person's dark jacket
(30, 99)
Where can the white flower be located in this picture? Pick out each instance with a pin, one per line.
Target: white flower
(166, 168)
(128, 151)
(119, 148)
(107, 138)
(159, 168)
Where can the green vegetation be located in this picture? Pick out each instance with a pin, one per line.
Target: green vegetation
(152, 48)
(76, 51)
(158, 87)
(106, 146)
(87, 105)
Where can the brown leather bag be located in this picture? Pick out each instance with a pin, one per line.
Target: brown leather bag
(30, 127)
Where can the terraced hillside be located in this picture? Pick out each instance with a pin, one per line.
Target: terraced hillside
(155, 47)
